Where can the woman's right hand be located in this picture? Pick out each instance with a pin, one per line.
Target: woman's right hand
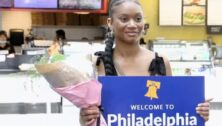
(89, 115)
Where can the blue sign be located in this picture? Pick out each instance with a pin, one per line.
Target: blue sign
(152, 101)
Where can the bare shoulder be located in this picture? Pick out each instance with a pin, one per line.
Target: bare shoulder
(148, 53)
(151, 54)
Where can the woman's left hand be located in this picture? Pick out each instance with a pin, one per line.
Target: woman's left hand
(204, 109)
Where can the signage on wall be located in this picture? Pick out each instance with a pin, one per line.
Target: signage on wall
(194, 12)
(83, 4)
(41, 4)
(216, 29)
(92, 6)
(6, 3)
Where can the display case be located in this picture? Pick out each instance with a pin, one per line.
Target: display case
(186, 57)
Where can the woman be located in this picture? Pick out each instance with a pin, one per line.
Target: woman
(128, 57)
(4, 45)
(60, 35)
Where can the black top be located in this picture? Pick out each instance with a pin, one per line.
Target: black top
(8, 47)
(157, 65)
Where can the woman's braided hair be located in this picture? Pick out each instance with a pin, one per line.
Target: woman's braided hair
(107, 55)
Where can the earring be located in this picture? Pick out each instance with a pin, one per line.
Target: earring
(109, 33)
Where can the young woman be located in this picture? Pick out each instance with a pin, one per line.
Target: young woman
(4, 45)
(128, 57)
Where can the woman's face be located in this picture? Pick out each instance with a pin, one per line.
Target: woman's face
(127, 22)
(3, 38)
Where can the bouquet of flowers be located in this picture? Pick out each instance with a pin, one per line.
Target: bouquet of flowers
(73, 78)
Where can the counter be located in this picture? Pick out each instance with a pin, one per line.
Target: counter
(10, 65)
(21, 94)
(31, 102)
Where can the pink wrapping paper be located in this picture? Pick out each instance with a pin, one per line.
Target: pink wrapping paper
(83, 95)
(74, 81)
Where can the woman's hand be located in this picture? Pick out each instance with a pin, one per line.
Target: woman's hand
(89, 115)
(203, 109)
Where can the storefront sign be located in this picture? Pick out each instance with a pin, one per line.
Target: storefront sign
(152, 101)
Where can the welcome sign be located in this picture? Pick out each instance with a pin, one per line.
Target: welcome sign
(152, 101)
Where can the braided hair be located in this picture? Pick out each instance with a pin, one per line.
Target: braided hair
(107, 55)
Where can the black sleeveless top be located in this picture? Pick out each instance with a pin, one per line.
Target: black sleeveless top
(157, 66)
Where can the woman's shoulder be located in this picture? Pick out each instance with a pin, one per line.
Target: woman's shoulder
(148, 53)
(155, 56)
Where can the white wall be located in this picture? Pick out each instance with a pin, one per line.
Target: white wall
(15, 19)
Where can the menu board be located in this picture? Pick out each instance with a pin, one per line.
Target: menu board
(5, 3)
(92, 6)
(80, 4)
(170, 12)
(197, 2)
(42, 4)
(214, 13)
(194, 12)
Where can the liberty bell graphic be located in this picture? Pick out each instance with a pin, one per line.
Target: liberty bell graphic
(152, 91)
